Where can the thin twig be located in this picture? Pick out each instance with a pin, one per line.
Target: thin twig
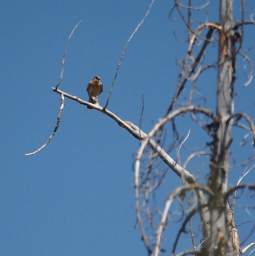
(178, 157)
(197, 8)
(181, 230)
(142, 113)
(195, 34)
(248, 247)
(183, 79)
(235, 188)
(248, 119)
(245, 174)
(193, 155)
(63, 59)
(125, 49)
(61, 109)
(249, 63)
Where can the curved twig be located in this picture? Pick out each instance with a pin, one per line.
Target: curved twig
(243, 23)
(197, 8)
(245, 174)
(248, 119)
(235, 188)
(178, 157)
(61, 79)
(172, 115)
(249, 63)
(193, 155)
(167, 206)
(178, 169)
(248, 247)
(195, 34)
(56, 127)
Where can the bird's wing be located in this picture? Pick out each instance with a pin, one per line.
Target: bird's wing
(101, 87)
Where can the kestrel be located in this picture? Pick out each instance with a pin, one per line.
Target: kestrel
(94, 88)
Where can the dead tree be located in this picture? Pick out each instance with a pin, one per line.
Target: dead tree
(208, 201)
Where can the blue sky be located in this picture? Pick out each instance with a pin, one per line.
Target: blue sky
(76, 196)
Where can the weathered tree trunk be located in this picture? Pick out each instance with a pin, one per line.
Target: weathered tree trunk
(220, 236)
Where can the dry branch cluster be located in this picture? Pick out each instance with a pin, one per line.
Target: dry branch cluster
(208, 201)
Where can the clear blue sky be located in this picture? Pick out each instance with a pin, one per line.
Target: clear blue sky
(76, 196)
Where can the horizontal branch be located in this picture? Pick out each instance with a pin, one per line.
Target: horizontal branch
(136, 132)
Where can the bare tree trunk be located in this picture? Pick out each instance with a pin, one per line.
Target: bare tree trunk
(220, 239)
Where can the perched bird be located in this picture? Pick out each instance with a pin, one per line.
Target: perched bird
(94, 88)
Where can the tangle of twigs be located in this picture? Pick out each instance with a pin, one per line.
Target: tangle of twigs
(169, 201)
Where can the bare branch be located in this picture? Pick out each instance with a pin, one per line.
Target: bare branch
(125, 49)
(183, 79)
(243, 23)
(197, 8)
(63, 59)
(189, 17)
(61, 79)
(136, 132)
(249, 121)
(248, 247)
(172, 115)
(248, 61)
(193, 155)
(195, 34)
(178, 157)
(141, 114)
(242, 186)
(245, 174)
(61, 109)
(178, 169)
(140, 135)
(201, 70)
(163, 221)
(182, 228)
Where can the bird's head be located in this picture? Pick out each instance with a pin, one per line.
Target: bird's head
(97, 77)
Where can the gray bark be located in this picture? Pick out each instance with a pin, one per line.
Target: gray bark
(220, 226)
